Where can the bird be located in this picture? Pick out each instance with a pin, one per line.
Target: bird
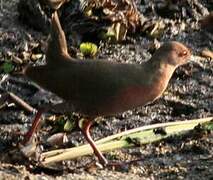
(96, 88)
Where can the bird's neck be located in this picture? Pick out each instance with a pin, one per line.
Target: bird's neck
(158, 68)
(159, 75)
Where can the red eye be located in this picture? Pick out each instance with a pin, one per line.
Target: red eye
(183, 53)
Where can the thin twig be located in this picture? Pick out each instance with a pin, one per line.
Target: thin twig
(14, 97)
(22, 103)
(17, 100)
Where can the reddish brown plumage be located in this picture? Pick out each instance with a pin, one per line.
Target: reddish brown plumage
(99, 87)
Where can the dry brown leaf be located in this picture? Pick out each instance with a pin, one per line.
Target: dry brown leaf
(207, 53)
(35, 57)
(122, 13)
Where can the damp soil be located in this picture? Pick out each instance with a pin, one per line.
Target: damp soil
(188, 96)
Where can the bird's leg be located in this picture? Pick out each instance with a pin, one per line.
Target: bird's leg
(86, 131)
(85, 128)
(34, 127)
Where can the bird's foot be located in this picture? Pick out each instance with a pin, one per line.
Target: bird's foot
(30, 148)
(36, 122)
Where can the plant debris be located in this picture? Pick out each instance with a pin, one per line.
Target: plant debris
(107, 16)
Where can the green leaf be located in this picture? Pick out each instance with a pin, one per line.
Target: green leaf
(69, 125)
(208, 126)
(88, 49)
(59, 124)
(7, 67)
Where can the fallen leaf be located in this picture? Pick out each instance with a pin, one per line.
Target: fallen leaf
(69, 125)
(207, 53)
(57, 139)
(35, 57)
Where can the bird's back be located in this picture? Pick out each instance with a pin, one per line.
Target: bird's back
(88, 84)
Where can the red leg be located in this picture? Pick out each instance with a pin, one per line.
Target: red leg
(86, 127)
(34, 127)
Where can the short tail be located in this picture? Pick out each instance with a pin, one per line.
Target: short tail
(57, 44)
(54, 4)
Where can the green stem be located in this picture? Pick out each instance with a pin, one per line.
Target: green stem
(143, 135)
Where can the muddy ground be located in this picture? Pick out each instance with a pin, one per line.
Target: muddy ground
(188, 96)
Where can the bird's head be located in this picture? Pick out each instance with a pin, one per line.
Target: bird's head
(173, 53)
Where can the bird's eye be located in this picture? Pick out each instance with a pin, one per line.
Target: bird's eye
(183, 53)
